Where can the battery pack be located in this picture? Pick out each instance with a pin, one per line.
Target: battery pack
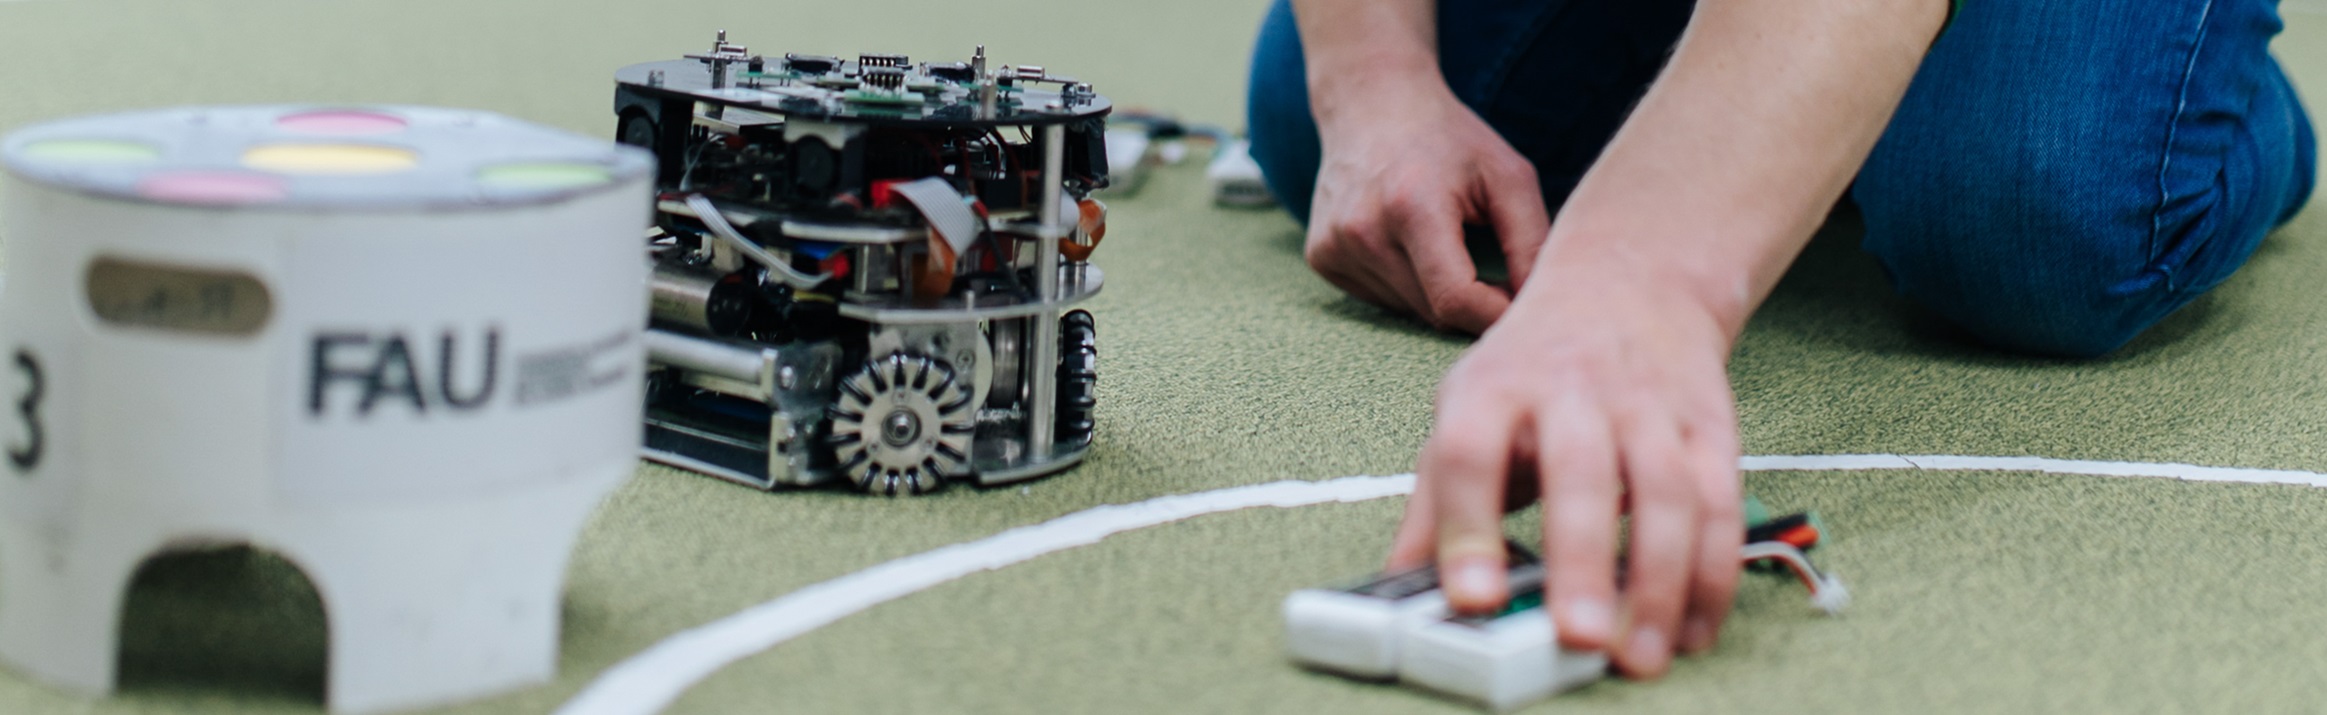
(1502, 661)
(1353, 630)
(1398, 626)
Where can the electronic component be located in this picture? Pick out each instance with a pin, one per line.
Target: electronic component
(1236, 179)
(865, 269)
(1826, 592)
(1398, 626)
(1137, 139)
(1504, 660)
(1354, 629)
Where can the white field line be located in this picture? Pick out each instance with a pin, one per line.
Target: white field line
(2307, 7)
(651, 680)
(1952, 463)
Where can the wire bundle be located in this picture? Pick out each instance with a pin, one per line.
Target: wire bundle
(1784, 543)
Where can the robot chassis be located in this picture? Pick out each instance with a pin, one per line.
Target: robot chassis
(855, 274)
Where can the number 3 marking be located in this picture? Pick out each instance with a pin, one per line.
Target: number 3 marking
(28, 456)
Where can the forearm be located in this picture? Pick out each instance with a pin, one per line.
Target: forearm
(1361, 49)
(1734, 157)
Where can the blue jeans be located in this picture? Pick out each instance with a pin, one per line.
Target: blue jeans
(2061, 175)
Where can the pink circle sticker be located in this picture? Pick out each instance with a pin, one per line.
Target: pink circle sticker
(225, 188)
(341, 123)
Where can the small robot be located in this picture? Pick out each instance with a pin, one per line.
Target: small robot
(864, 269)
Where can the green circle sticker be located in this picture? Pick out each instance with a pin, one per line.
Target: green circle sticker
(91, 151)
(543, 176)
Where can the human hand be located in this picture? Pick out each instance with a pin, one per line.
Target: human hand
(1605, 385)
(1396, 186)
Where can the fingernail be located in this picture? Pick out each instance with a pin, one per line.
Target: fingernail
(1471, 579)
(1697, 635)
(1647, 651)
(1591, 619)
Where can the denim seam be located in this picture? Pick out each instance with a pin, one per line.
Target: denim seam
(2172, 135)
(2306, 136)
(1500, 71)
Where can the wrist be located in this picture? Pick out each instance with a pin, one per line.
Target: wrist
(1361, 92)
(1360, 53)
(1593, 269)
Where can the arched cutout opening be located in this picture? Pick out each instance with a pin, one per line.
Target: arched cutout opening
(233, 621)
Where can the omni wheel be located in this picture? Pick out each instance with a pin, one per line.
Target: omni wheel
(903, 424)
(1078, 378)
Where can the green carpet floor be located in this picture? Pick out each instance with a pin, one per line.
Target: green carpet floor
(1224, 362)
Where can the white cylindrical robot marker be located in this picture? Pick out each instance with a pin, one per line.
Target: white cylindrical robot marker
(397, 346)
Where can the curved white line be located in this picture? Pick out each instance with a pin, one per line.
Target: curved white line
(651, 680)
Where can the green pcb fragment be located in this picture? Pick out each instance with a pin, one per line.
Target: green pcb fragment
(887, 98)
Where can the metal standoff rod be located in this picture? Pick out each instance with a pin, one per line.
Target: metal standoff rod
(1043, 414)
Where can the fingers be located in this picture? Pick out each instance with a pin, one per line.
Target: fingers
(1464, 466)
(1713, 580)
(1522, 223)
(1454, 297)
(1663, 549)
(1417, 539)
(1578, 471)
(1357, 253)
(1396, 271)
(1339, 254)
(1417, 534)
(1405, 252)
(1523, 487)
(1712, 448)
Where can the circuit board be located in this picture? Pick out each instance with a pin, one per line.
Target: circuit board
(872, 89)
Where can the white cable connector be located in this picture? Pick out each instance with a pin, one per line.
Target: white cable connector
(1236, 178)
(1128, 150)
(1826, 591)
(717, 222)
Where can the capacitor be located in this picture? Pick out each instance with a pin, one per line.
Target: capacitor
(700, 301)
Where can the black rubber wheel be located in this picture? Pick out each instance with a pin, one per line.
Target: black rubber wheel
(1078, 377)
(636, 130)
(661, 386)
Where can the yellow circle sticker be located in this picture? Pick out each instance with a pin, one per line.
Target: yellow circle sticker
(335, 159)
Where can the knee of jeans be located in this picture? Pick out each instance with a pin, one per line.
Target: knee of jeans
(2068, 330)
(1277, 119)
(2035, 308)
(1288, 157)
(2051, 277)
(2306, 163)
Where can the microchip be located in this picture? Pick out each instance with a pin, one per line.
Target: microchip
(810, 64)
(958, 72)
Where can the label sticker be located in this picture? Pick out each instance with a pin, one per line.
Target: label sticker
(194, 300)
(560, 373)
